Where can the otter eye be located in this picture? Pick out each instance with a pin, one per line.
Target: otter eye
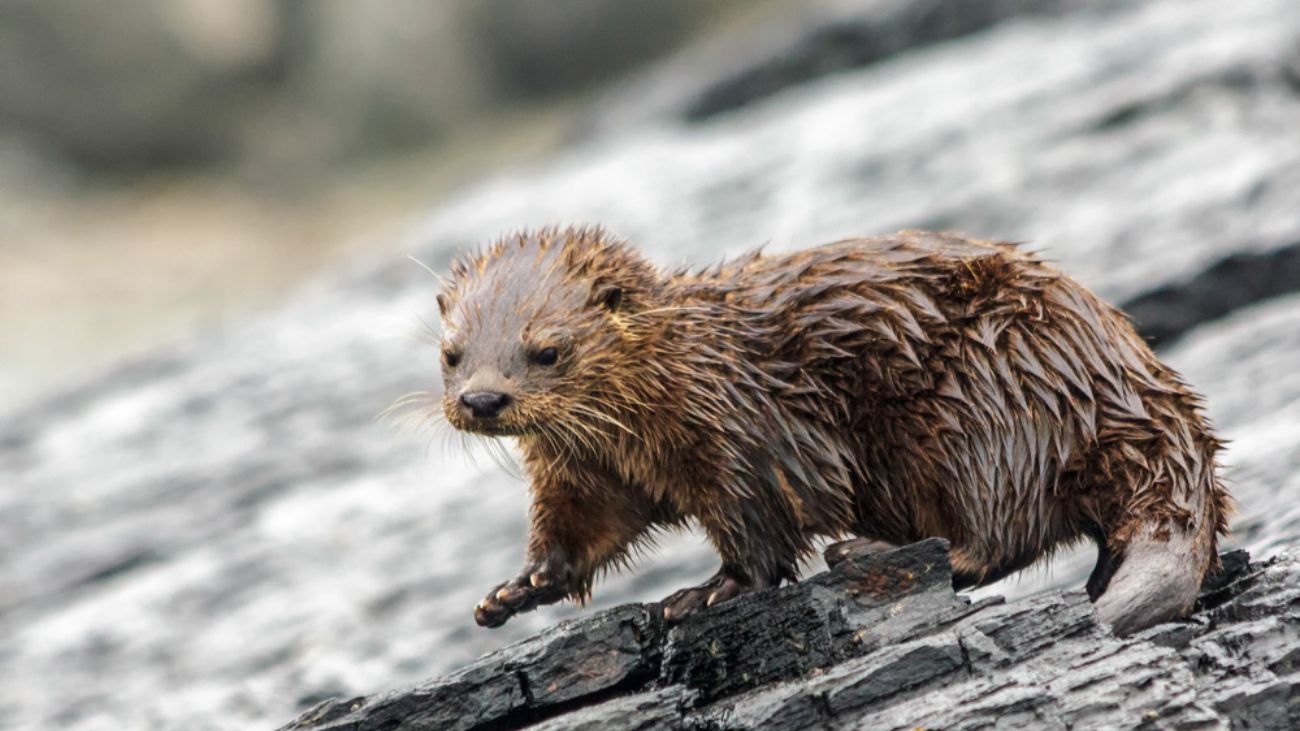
(611, 298)
(450, 358)
(545, 356)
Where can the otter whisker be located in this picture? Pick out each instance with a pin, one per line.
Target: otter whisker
(435, 336)
(466, 453)
(499, 455)
(586, 437)
(437, 277)
(562, 446)
(415, 398)
(446, 437)
(420, 421)
(616, 402)
(583, 409)
(597, 435)
(420, 333)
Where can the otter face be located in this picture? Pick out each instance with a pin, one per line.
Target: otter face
(531, 332)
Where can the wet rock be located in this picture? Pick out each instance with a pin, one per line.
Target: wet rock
(863, 602)
(1237, 281)
(792, 658)
(806, 43)
(648, 711)
(582, 661)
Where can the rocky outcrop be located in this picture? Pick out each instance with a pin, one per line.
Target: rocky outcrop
(880, 641)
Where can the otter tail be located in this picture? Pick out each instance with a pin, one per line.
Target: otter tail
(1156, 578)
(1165, 530)
(1154, 574)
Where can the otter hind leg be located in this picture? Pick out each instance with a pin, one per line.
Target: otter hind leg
(724, 585)
(969, 569)
(1108, 562)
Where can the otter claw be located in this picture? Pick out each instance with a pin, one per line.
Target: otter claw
(521, 594)
(716, 590)
(489, 613)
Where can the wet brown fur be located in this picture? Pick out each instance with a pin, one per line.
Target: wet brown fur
(895, 388)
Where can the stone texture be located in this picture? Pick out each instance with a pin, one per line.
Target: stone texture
(649, 711)
(866, 602)
(795, 658)
(581, 660)
(1237, 281)
(806, 42)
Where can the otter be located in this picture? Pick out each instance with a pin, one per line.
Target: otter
(893, 389)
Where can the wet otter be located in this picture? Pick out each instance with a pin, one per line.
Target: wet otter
(892, 388)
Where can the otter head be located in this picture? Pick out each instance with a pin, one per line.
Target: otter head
(538, 329)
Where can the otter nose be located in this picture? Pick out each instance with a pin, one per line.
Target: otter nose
(485, 404)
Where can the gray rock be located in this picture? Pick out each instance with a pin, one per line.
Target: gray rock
(538, 47)
(286, 85)
(790, 658)
(865, 602)
(807, 42)
(226, 520)
(1237, 281)
(140, 83)
(648, 711)
(577, 661)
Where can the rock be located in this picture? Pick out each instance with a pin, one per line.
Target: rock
(797, 657)
(577, 661)
(226, 519)
(1237, 281)
(865, 602)
(647, 711)
(283, 86)
(141, 83)
(539, 47)
(805, 43)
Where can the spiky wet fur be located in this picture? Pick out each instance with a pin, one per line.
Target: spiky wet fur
(894, 388)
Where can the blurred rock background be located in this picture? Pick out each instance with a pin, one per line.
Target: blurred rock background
(205, 209)
(165, 166)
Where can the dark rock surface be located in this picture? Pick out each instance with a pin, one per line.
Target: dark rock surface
(540, 46)
(584, 661)
(1237, 281)
(813, 40)
(226, 520)
(881, 641)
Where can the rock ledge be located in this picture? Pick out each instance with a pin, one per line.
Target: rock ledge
(880, 641)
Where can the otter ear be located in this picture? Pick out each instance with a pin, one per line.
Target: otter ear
(609, 296)
(442, 305)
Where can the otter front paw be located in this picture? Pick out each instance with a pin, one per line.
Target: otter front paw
(719, 588)
(533, 588)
